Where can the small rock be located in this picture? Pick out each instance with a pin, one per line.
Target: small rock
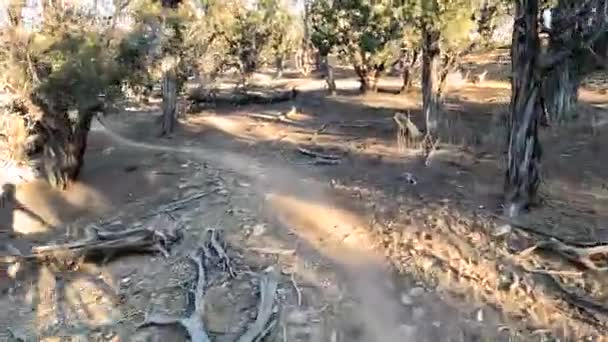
(13, 269)
(502, 230)
(418, 313)
(417, 292)
(406, 300)
(125, 281)
(480, 315)
(259, 229)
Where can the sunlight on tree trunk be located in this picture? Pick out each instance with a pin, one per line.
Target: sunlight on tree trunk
(279, 66)
(430, 81)
(408, 64)
(523, 165)
(328, 74)
(169, 95)
(368, 79)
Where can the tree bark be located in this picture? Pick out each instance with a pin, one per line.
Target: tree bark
(430, 80)
(408, 65)
(279, 66)
(328, 73)
(523, 165)
(560, 91)
(368, 77)
(79, 141)
(169, 96)
(560, 85)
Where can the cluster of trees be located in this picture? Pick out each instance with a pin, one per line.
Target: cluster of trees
(71, 69)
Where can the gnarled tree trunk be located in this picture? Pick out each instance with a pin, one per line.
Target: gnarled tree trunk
(523, 165)
(431, 100)
(560, 91)
(368, 77)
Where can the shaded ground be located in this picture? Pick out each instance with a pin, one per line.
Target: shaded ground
(384, 246)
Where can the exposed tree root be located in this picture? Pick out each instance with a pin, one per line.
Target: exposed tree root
(193, 322)
(261, 326)
(578, 255)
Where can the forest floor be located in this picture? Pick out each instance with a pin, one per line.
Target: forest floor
(369, 241)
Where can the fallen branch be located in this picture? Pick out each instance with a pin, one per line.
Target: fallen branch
(105, 243)
(220, 251)
(245, 98)
(193, 322)
(317, 155)
(268, 288)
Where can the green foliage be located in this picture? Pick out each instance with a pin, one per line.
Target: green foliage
(67, 65)
(285, 33)
(452, 19)
(361, 31)
(324, 19)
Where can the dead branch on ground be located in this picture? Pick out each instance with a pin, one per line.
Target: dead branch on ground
(193, 322)
(578, 255)
(261, 326)
(320, 158)
(244, 98)
(107, 241)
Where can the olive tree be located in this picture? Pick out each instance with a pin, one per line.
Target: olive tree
(529, 67)
(324, 37)
(59, 77)
(560, 87)
(445, 29)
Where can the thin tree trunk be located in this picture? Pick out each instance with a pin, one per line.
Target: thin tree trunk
(169, 96)
(408, 65)
(79, 142)
(328, 74)
(523, 164)
(279, 66)
(430, 80)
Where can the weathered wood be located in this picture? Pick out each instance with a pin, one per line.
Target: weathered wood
(169, 96)
(430, 79)
(243, 98)
(523, 164)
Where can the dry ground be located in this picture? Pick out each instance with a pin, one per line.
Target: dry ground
(382, 246)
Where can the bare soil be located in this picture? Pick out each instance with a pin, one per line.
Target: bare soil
(382, 245)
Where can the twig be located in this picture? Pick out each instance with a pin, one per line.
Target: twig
(220, 251)
(295, 286)
(268, 288)
(317, 155)
(276, 251)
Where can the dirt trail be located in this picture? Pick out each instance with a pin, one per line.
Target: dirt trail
(307, 211)
(306, 208)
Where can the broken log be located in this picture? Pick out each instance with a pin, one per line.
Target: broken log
(243, 98)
